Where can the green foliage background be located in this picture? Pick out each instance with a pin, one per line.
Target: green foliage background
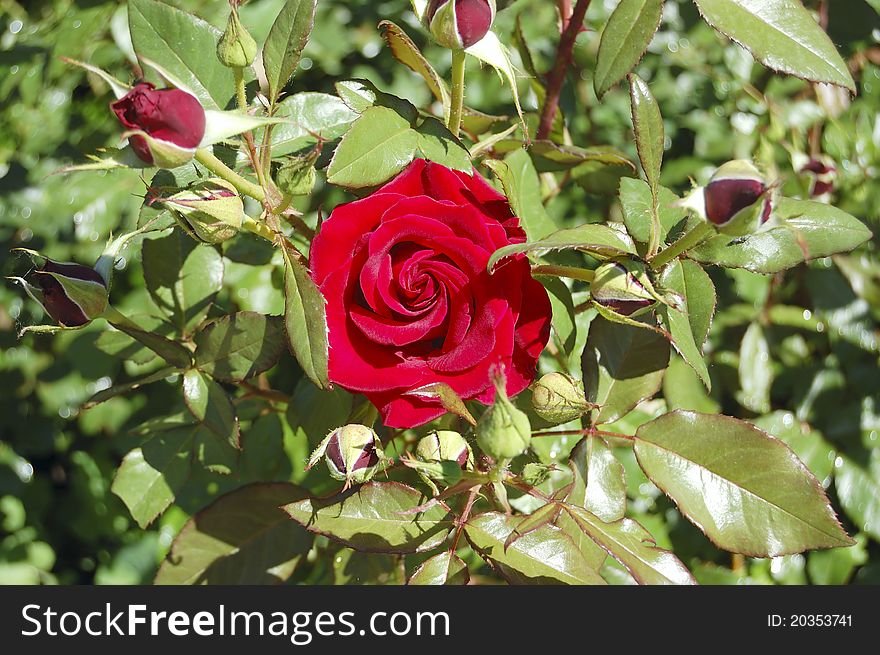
(797, 352)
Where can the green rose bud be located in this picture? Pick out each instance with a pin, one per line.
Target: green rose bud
(210, 211)
(296, 176)
(503, 431)
(352, 453)
(623, 287)
(558, 398)
(236, 48)
(445, 446)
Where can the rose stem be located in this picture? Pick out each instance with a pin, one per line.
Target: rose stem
(584, 274)
(563, 60)
(258, 228)
(457, 103)
(207, 159)
(697, 234)
(240, 94)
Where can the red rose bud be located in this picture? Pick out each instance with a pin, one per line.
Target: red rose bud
(72, 294)
(165, 126)
(558, 398)
(353, 453)
(623, 287)
(210, 211)
(737, 198)
(459, 24)
(822, 173)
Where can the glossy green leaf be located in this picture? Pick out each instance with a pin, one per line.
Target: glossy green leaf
(747, 491)
(305, 320)
(239, 346)
(184, 45)
(243, 537)
(599, 483)
(284, 45)
(591, 238)
(378, 146)
(807, 230)
(437, 144)
(807, 443)
(375, 517)
(150, 477)
(625, 38)
(692, 283)
(210, 404)
(522, 186)
(552, 156)
(308, 114)
(755, 370)
(858, 487)
(546, 555)
(648, 126)
(636, 202)
(445, 568)
(171, 351)
(622, 366)
(631, 545)
(782, 35)
(183, 278)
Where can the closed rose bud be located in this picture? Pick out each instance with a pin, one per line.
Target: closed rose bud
(558, 398)
(822, 173)
(210, 211)
(72, 294)
(459, 24)
(623, 287)
(737, 198)
(445, 446)
(352, 453)
(296, 176)
(236, 48)
(164, 126)
(503, 431)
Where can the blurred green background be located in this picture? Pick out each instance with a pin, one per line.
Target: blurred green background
(797, 352)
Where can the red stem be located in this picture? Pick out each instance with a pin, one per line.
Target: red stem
(563, 60)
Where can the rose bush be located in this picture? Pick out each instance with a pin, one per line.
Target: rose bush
(409, 300)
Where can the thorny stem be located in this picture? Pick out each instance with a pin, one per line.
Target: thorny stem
(585, 431)
(207, 159)
(258, 228)
(465, 515)
(572, 272)
(240, 94)
(693, 238)
(556, 78)
(457, 103)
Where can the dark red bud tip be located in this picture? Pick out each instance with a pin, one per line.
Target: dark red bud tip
(823, 175)
(462, 458)
(725, 198)
(170, 115)
(625, 307)
(335, 454)
(367, 457)
(474, 19)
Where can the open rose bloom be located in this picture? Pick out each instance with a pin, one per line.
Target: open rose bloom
(409, 300)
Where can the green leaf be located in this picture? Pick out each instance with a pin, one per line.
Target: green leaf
(284, 45)
(552, 156)
(591, 238)
(622, 366)
(544, 556)
(437, 144)
(682, 389)
(214, 453)
(747, 491)
(837, 565)
(755, 370)
(151, 476)
(239, 346)
(445, 568)
(210, 404)
(184, 45)
(305, 320)
(307, 114)
(375, 517)
(692, 283)
(637, 205)
(807, 230)
(491, 51)
(599, 482)
(808, 444)
(625, 38)
(648, 126)
(782, 35)
(564, 323)
(183, 278)
(408, 54)
(858, 488)
(631, 545)
(522, 186)
(378, 146)
(171, 351)
(243, 537)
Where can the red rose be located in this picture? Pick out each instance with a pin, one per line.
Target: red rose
(169, 124)
(409, 301)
